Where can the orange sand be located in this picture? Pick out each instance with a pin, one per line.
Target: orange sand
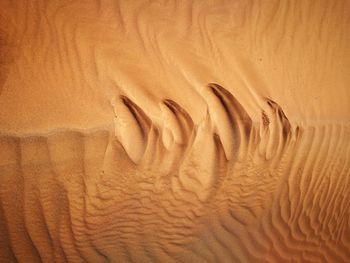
(174, 131)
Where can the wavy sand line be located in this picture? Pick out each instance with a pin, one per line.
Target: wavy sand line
(264, 193)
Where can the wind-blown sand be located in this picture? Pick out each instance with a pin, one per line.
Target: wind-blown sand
(174, 131)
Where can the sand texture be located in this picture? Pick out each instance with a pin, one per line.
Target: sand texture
(174, 131)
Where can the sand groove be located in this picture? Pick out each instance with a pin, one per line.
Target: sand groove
(114, 147)
(262, 192)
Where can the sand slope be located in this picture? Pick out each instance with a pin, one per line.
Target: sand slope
(177, 131)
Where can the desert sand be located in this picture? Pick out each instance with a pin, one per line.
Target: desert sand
(174, 131)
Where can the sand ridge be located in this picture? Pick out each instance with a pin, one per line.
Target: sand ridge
(174, 131)
(191, 199)
(68, 60)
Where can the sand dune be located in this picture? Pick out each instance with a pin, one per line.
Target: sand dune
(175, 131)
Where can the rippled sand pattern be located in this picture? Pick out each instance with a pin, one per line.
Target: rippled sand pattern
(174, 131)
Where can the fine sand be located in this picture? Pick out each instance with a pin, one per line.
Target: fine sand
(174, 131)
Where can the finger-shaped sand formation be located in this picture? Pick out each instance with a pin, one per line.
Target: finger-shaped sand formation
(174, 131)
(223, 190)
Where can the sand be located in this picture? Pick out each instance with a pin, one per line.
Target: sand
(174, 131)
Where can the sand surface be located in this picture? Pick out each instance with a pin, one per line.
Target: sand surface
(174, 131)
